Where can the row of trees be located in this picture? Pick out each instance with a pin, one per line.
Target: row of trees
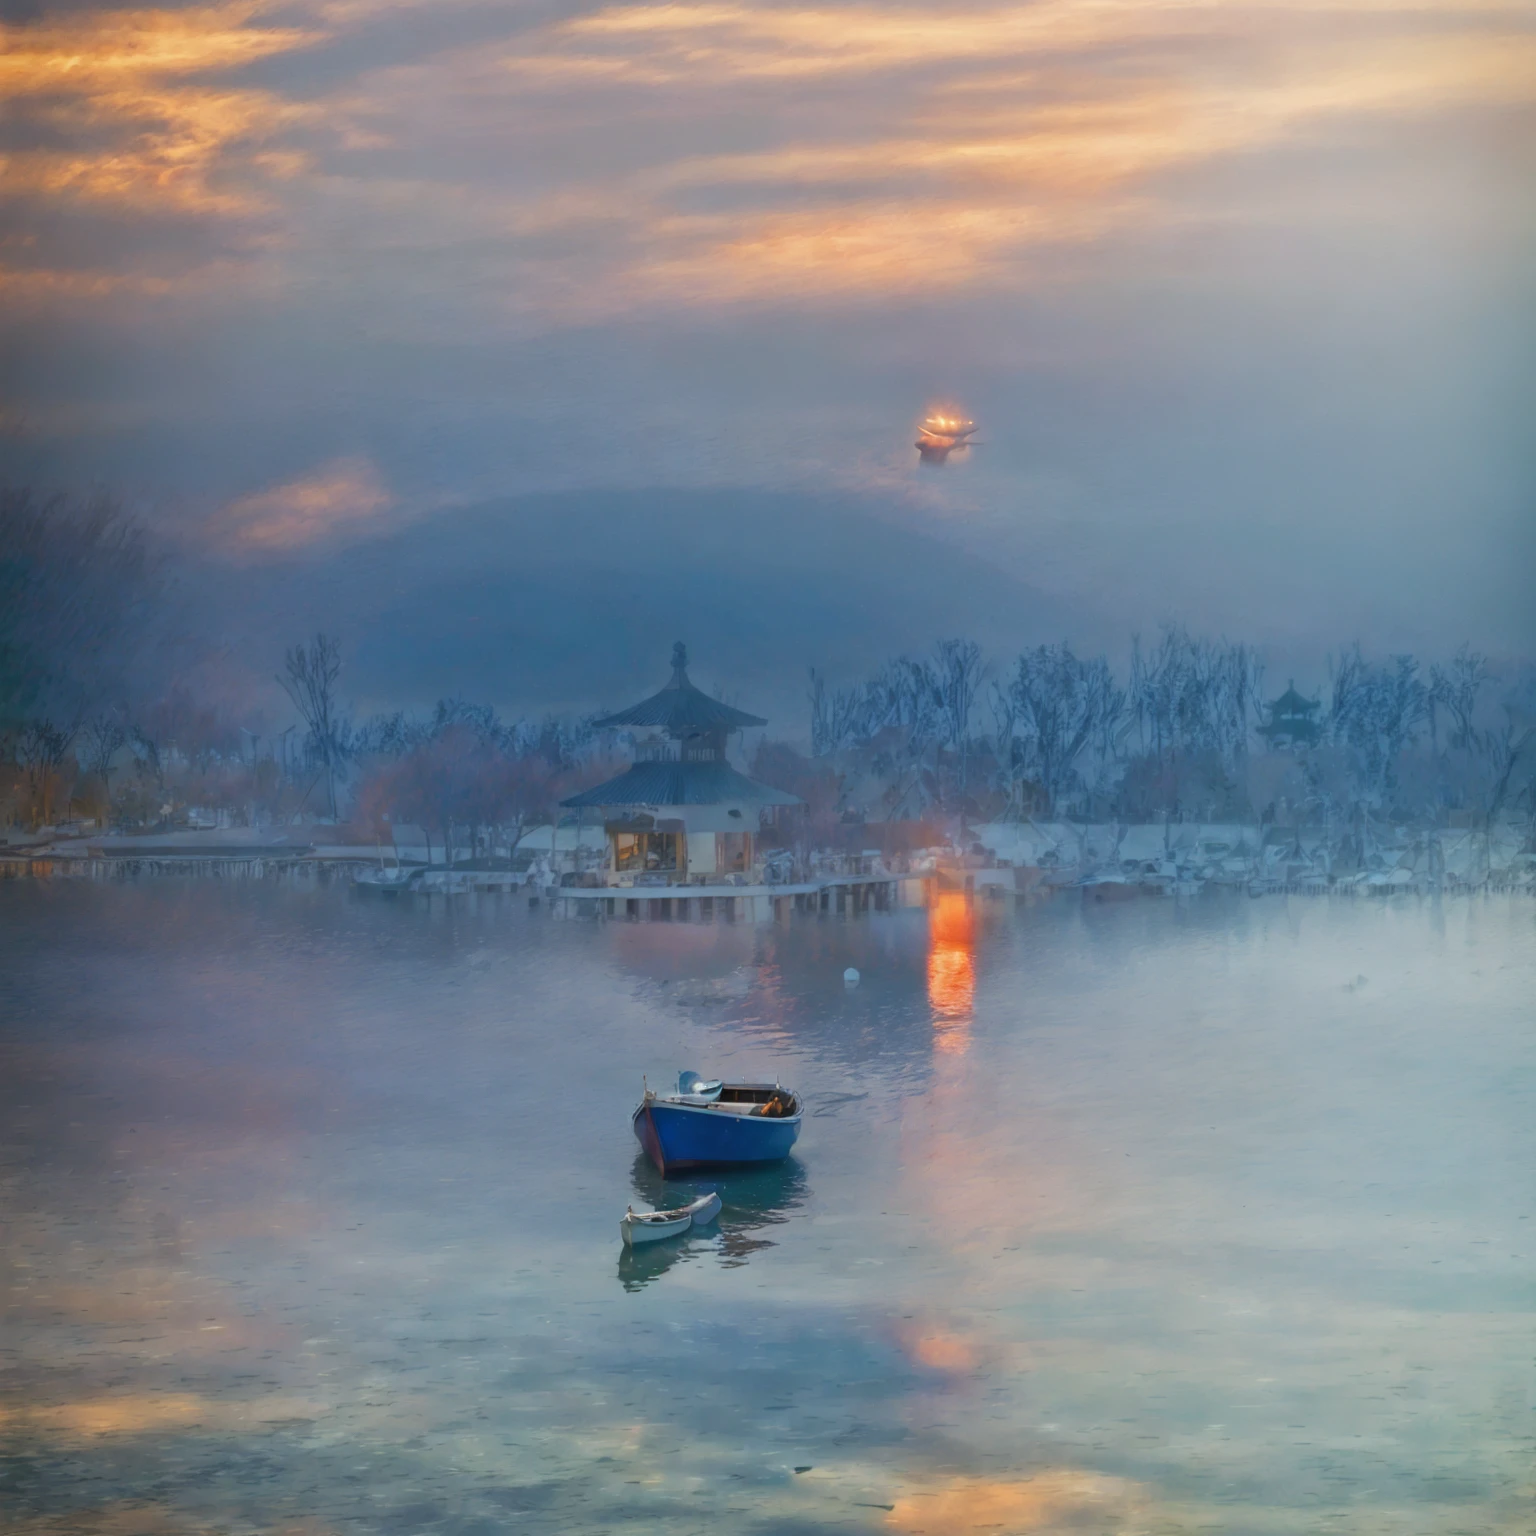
(92, 721)
(1049, 733)
(459, 772)
(470, 778)
(1052, 732)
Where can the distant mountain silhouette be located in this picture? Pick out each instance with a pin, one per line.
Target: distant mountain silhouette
(573, 600)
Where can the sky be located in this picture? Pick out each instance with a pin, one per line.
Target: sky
(514, 341)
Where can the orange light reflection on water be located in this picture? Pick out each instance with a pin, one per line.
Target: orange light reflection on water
(951, 970)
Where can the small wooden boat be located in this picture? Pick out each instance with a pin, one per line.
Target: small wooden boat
(710, 1124)
(653, 1226)
(388, 880)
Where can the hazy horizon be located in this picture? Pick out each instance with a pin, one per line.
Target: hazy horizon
(1240, 299)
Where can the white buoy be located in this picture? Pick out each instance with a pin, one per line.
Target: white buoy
(850, 977)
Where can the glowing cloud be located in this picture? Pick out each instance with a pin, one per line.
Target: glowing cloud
(970, 138)
(115, 95)
(885, 150)
(299, 512)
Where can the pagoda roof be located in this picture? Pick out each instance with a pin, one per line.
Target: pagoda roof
(674, 783)
(1292, 703)
(681, 709)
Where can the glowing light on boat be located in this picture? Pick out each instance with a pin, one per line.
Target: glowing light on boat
(943, 432)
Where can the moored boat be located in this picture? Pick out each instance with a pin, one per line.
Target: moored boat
(713, 1123)
(387, 880)
(653, 1226)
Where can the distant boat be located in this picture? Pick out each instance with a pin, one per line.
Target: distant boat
(940, 436)
(653, 1226)
(712, 1123)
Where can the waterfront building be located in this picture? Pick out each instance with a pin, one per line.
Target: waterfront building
(681, 814)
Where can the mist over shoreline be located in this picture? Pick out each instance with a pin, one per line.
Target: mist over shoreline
(568, 601)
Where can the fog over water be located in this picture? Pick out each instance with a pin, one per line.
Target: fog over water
(385, 387)
(1148, 1217)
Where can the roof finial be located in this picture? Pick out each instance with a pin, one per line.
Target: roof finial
(679, 660)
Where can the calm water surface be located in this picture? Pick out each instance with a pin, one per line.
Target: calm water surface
(1138, 1218)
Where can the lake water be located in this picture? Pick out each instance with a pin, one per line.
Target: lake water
(1146, 1217)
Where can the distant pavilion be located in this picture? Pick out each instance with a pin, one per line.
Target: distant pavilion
(680, 813)
(1290, 722)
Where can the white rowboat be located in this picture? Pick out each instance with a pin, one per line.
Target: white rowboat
(652, 1226)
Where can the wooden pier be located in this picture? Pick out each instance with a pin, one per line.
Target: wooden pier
(844, 894)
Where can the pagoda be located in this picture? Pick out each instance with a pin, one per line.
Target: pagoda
(1290, 722)
(680, 813)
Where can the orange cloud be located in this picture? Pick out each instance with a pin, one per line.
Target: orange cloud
(888, 149)
(104, 50)
(704, 45)
(116, 88)
(44, 283)
(179, 140)
(301, 511)
(929, 151)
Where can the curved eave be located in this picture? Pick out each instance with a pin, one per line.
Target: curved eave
(682, 708)
(669, 783)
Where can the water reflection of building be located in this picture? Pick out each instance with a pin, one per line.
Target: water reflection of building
(681, 811)
(951, 969)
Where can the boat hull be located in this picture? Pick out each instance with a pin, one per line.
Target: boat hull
(648, 1227)
(677, 1137)
(636, 1233)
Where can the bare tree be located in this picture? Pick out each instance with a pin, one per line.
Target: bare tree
(1191, 693)
(309, 679)
(1375, 713)
(146, 754)
(1005, 727)
(1063, 705)
(105, 736)
(1510, 750)
(41, 751)
(838, 715)
(1456, 690)
(957, 674)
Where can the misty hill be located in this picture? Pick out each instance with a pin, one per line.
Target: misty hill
(572, 600)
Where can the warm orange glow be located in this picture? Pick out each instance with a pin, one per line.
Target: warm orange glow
(124, 121)
(951, 969)
(900, 150)
(142, 1413)
(301, 511)
(1051, 1501)
(940, 1351)
(947, 423)
(86, 52)
(986, 135)
(688, 44)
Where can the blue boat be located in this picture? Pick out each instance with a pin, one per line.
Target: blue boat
(708, 1124)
